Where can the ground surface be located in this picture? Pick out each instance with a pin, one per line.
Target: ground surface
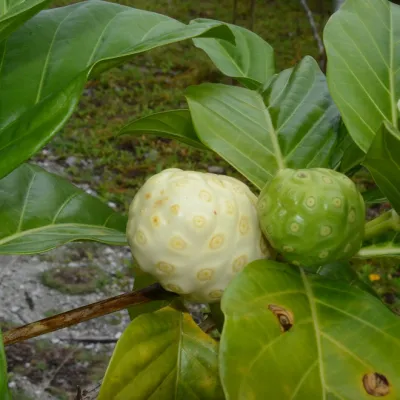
(88, 153)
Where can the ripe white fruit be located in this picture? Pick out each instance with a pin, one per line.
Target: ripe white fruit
(194, 231)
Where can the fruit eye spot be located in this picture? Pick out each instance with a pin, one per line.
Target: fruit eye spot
(155, 221)
(323, 254)
(199, 221)
(262, 205)
(165, 267)
(205, 196)
(238, 189)
(230, 208)
(216, 294)
(244, 225)
(182, 182)
(239, 263)
(294, 227)
(310, 202)
(140, 237)
(177, 243)
(175, 209)
(147, 196)
(302, 175)
(205, 274)
(218, 182)
(326, 179)
(288, 249)
(174, 288)
(337, 202)
(352, 215)
(216, 242)
(325, 230)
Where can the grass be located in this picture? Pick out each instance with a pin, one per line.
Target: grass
(155, 81)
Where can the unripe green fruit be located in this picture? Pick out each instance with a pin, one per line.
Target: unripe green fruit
(312, 216)
(194, 231)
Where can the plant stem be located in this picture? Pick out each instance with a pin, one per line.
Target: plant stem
(85, 313)
(385, 222)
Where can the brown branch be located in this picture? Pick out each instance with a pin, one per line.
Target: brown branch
(234, 11)
(252, 14)
(85, 313)
(89, 339)
(317, 37)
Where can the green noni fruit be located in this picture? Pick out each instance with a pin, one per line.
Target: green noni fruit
(312, 216)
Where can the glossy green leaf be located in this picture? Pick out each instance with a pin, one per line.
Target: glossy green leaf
(250, 60)
(383, 161)
(4, 392)
(40, 89)
(163, 355)
(374, 196)
(362, 42)
(40, 211)
(14, 13)
(142, 280)
(292, 336)
(294, 123)
(175, 124)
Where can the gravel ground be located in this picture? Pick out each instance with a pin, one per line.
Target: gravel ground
(24, 299)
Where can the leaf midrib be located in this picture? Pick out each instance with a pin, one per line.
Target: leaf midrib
(52, 226)
(314, 315)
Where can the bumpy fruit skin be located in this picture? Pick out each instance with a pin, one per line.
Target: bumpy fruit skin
(194, 231)
(312, 216)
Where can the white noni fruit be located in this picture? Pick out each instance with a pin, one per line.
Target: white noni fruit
(194, 231)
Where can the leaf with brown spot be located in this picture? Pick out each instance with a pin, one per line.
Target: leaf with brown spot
(339, 334)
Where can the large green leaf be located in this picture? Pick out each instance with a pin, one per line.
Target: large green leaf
(293, 124)
(14, 13)
(40, 211)
(250, 59)
(163, 355)
(175, 124)
(383, 161)
(292, 336)
(362, 42)
(46, 62)
(4, 393)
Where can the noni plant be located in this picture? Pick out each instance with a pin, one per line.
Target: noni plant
(312, 216)
(290, 320)
(194, 231)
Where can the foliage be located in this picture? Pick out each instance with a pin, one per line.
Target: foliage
(285, 333)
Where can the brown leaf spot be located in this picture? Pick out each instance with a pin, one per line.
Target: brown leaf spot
(376, 384)
(285, 317)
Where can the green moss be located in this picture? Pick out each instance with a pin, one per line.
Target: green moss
(17, 394)
(75, 280)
